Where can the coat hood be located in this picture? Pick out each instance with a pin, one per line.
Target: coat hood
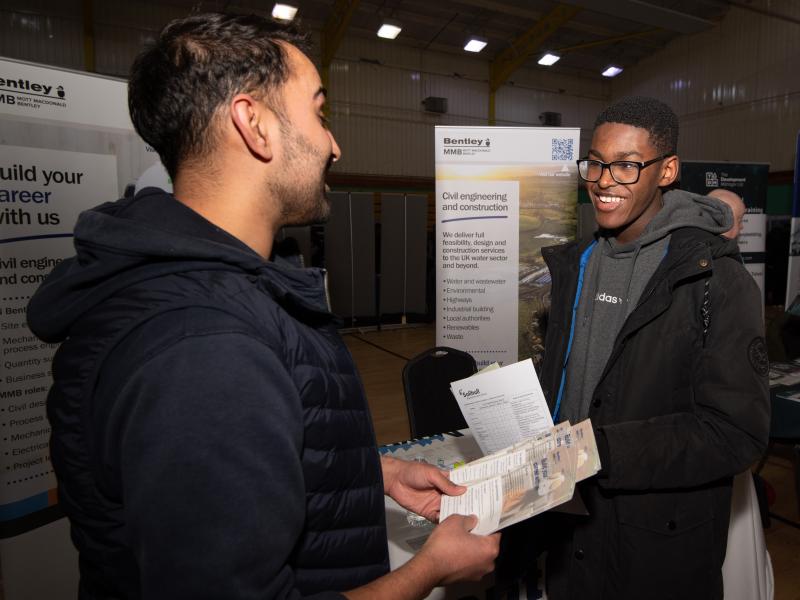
(681, 209)
(122, 243)
(685, 209)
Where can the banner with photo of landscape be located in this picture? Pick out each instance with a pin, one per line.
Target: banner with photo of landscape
(502, 194)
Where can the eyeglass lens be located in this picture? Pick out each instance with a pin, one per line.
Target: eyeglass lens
(621, 171)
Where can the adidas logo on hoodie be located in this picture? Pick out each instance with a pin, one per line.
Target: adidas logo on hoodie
(603, 297)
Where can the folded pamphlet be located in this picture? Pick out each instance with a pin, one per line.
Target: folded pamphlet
(525, 479)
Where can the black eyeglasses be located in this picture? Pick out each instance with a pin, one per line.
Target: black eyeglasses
(622, 171)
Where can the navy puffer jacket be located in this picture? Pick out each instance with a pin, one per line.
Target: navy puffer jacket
(211, 438)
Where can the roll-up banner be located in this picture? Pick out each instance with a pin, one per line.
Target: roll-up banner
(67, 144)
(793, 275)
(749, 181)
(502, 193)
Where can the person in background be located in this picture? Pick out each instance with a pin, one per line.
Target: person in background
(210, 434)
(655, 334)
(736, 205)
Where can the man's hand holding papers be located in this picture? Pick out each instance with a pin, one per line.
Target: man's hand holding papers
(444, 548)
(417, 486)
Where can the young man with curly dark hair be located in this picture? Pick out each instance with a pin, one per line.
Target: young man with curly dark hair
(211, 438)
(655, 333)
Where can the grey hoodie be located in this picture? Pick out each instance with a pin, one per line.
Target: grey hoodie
(615, 276)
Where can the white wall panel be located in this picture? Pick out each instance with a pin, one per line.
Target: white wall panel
(364, 84)
(137, 15)
(116, 47)
(398, 55)
(54, 39)
(386, 53)
(385, 146)
(735, 87)
(376, 90)
(446, 63)
(547, 80)
(123, 29)
(522, 106)
(59, 8)
(466, 98)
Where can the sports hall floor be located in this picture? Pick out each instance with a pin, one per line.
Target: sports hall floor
(380, 356)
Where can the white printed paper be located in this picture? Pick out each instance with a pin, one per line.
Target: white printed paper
(484, 500)
(490, 466)
(503, 406)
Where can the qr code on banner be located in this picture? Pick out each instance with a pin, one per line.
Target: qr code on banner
(562, 149)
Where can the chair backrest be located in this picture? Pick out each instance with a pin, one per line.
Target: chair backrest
(431, 406)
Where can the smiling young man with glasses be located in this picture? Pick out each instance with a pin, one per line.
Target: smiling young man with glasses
(655, 333)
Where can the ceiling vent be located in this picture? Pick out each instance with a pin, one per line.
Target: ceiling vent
(435, 104)
(550, 119)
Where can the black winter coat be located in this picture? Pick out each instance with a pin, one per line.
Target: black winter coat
(682, 406)
(210, 434)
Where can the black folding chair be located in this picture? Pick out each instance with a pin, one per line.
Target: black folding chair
(431, 406)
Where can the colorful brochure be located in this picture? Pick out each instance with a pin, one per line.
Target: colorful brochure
(525, 479)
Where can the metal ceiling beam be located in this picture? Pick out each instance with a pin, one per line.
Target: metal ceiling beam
(527, 14)
(768, 12)
(413, 11)
(611, 40)
(513, 57)
(458, 51)
(529, 42)
(646, 14)
(333, 32)
(493, 32)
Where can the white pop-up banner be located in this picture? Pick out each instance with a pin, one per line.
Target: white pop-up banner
(67, 145)
(502, 193)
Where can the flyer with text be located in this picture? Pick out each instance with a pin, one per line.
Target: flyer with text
(502, 194)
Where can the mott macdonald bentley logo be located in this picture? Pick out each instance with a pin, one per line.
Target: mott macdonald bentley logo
(31, 94)
(466, 146)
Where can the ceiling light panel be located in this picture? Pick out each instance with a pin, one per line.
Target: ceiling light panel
(390, 29)
(549, 59)
(284, 12)
(612, 71)
(476, 44)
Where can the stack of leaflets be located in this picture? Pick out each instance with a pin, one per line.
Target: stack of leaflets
(525, 479)
(786, 373)
(530, 466)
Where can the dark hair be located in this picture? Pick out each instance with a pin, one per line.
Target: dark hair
(197, 65)
(648, 113)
